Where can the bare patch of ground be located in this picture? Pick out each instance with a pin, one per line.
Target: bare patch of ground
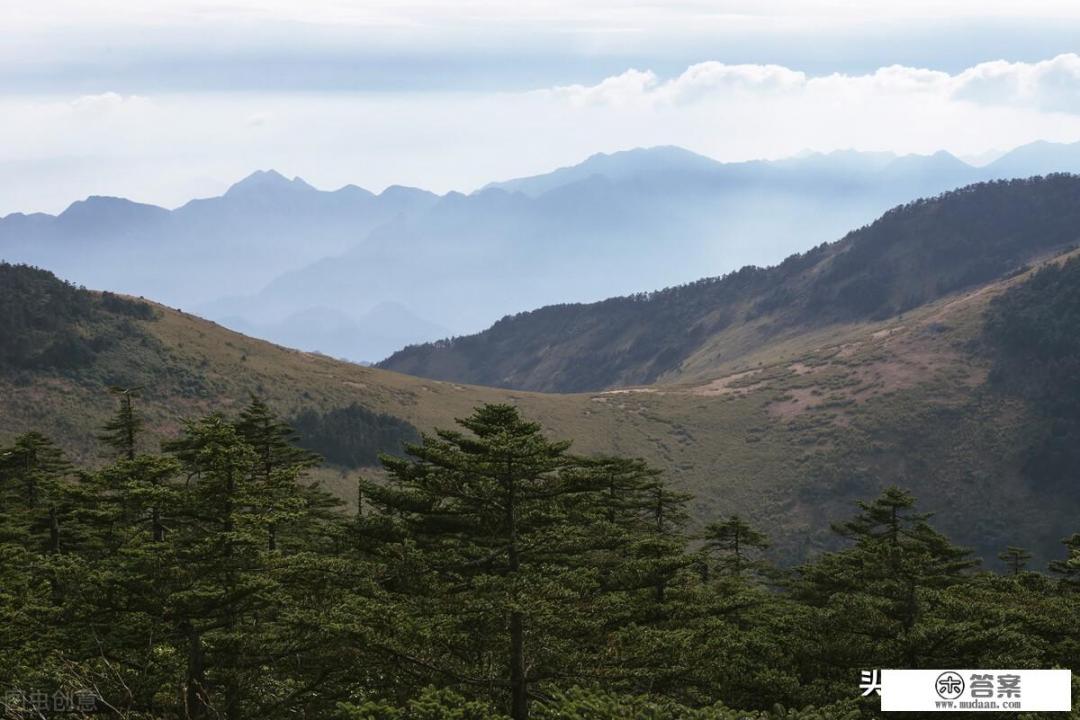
(886, 332)
(628, 391)
(724, 385)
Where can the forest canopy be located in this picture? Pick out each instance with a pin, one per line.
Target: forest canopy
(494, 574)
(1032, 332)
(47, 323)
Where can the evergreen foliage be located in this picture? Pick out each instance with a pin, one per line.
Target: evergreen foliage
(121, 432)
(735, 544)
(352, 436)
(1015, 559)
(494, 575)
(1031, 330)
(46, 323)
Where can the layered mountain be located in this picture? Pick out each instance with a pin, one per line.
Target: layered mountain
(261, 227)
(921, 351)
(610, 225)
(912, 255)
(273, 253)
(791, 438)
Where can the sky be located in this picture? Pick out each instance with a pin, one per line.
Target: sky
(164, 100)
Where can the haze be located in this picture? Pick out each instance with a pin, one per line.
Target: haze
(163, 101)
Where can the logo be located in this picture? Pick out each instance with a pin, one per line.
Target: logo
(949, 685)
(983, 690)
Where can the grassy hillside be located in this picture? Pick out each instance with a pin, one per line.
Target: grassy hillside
(789, 433)
(912, 255)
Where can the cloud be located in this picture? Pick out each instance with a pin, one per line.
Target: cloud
(704, 78)
(168, 147)
(107, 103)
(698, 82)
(630, 87)
(1051, 85)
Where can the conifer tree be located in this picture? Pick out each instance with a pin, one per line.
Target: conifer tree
(493, 574)
(876, 593)
(667, 517)
(279, 466)
(1015, 559)
(644, 521)
(495, 517)
(33, 533)
(32, 473)
(733, 543)
(122, 431)
(138, 485)
(243, 608)
(222, 583)
(1069, 568)
(272, 439)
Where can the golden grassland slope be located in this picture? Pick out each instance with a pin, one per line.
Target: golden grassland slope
(789, 434)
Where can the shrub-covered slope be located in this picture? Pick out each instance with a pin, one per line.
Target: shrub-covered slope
(789, 433)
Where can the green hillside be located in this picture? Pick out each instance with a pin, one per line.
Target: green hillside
(788, 434)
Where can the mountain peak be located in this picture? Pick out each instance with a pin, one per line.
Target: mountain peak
(267, 181)
(1036, 158)
(615, 166)
(97, 209)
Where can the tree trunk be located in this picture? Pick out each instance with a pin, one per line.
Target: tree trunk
(54, 531)
(195, 679)
(232, 698)
(519, 690)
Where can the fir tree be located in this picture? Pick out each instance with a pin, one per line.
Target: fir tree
(32, 491)
(733, 544)
(121, 433)
(493, 573)
(280, 465)
(493, 514)
(1069, 568)
(876, 594)
(138, 482)
(1015, 559)
(644, 521)
(223, 583)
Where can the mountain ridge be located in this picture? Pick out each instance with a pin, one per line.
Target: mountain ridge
(875, 272)
(788, 435)
(273, 178)
(659, 217)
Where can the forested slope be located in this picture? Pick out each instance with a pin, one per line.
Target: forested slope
(914, 254)
(789, 434)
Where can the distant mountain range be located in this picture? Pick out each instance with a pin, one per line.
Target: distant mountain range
(912, 255)
(933, 349)
(358, 275)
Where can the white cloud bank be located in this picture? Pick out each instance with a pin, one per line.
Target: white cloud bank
(165, 148)
(1051, 85)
